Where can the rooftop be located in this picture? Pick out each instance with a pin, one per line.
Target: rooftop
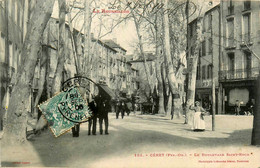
(203, 7)
(112, 44)
(148, 56)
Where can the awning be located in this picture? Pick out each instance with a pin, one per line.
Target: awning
(105, 89)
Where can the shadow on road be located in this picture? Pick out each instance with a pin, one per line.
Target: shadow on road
(122, 142)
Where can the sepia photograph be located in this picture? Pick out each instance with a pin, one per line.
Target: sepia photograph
(130, 83)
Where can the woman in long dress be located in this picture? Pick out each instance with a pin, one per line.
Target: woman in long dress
(198, 120)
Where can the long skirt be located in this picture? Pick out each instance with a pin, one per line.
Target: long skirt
(198, 122)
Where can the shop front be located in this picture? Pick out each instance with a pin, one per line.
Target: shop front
(204, 94)
(241, 91)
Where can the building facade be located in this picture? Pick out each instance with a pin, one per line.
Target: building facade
(108, 65)
(14, 16)
(239, 66)
(139, 79)
(229, 49)
(209, 53)
(119, 70)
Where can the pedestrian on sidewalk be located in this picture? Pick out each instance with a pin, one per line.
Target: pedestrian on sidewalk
(117, 108)
(75, 130)
(123, 109)
(103, 109)
(250, 107)
(128, 108)
(198, 119)
(237, 107)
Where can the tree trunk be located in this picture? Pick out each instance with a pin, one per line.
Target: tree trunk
(158, 70)
(41, 79)
(159, 80)
(87, 31)
(164, 87)
(142, 50)
(160, 97)
(192, 67)
(79, 54)
(170, 67)
(191, 88)
(5, 107)
(61, 49)
(178, 111)
(19, 102)
(169, 106)
(177, 104)
(75, 47)
(256, 126)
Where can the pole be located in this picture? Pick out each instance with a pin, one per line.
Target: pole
(187, 55)
(213, 107)
(213, 103)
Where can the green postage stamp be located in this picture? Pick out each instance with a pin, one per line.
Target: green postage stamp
(65, 110)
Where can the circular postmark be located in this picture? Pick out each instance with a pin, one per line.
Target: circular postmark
(78, 92)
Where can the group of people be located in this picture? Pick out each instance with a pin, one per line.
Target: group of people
(100, 107)
(198, 123)
(122, 108)
(248, 109)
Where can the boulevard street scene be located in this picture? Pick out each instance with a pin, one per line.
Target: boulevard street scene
(143, 141)
(129, 83)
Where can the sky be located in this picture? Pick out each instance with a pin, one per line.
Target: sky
(125, 33)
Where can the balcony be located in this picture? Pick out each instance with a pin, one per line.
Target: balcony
(239, 74)
(246, 39)
(231, 43)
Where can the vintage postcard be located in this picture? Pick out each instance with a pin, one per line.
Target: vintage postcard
(130, 83)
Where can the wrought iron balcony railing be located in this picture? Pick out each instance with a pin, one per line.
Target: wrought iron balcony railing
(246, 39)
(239, 74)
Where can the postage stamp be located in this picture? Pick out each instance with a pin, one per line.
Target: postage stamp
(64, 110)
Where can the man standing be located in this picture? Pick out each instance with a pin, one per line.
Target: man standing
(123, 108)
(237, 107)
(94, 108)
(117, 108)
(75, 130)
(103, 114)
